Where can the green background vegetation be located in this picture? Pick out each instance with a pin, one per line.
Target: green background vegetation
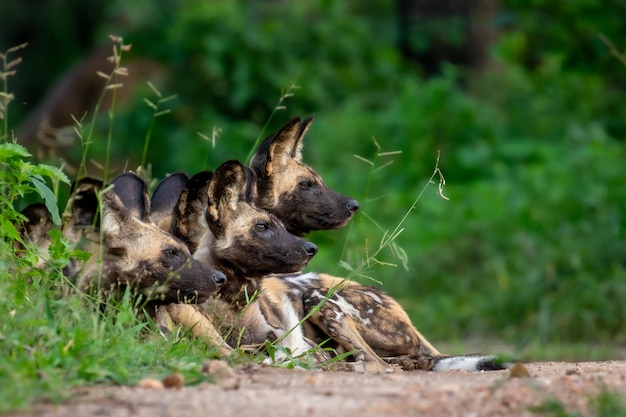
(530, 248)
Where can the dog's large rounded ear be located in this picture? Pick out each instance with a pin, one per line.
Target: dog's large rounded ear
(83, 202)
(227, 188)
(165, 198)
(133, 194)
(191, 208)
(279, 148)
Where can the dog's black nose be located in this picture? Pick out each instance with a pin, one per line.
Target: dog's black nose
(219, 278)
(310, 249)
(353, 205)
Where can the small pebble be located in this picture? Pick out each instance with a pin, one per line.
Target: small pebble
(218, 369)
(175, 380)
(573, 371)
(151, 383)
(519, 371)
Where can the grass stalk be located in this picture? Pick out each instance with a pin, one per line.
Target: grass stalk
(110, 84)
(284, 95)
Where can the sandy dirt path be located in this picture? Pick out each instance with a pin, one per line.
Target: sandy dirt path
(255, 390)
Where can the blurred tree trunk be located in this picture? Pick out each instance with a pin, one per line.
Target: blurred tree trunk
(432, 32)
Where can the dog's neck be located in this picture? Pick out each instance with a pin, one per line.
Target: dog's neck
(240, 287)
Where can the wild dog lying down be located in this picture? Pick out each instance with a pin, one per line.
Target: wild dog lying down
(135, 252)
(297, 195)
(33, 231)
(357, 317)
(140, 255)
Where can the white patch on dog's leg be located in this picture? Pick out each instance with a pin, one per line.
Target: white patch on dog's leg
(292, 331)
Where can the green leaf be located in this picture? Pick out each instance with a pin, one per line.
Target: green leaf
(54, 173)
(48, 197)
(346, 265)
(10, 231)
(10, 150)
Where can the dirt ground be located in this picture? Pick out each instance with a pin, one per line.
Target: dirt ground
(256, 390)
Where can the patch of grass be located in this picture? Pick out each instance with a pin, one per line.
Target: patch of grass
(51, 343)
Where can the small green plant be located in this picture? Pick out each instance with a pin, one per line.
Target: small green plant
(19, 178)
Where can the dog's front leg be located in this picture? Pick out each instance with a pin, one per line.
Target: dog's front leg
(189, 317)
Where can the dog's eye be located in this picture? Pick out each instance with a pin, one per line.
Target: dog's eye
(171, 252)
(260, 227)
(117, 252)
(306, 184)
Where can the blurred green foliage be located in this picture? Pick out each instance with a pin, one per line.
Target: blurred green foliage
(531, 246)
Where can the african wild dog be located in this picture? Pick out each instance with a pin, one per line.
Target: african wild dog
(137, 254)
(358, 318)
(33, 231)
(79, 219)
(293, 191)
(298, 196)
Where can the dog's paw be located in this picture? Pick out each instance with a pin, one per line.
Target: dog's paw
(411, 363)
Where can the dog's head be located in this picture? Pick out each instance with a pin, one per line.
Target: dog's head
(293, 191)
(249, 241)
(140, 255)
(33, 230)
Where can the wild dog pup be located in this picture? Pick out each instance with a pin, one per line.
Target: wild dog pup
(138, 254)
(79, 217)
(33, 231)
(252, 242)
(293, 191)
